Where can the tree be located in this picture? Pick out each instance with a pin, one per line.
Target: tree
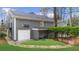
(70, 16)
(55, 20)
(44, 10)
(75, 21)
(55, 16)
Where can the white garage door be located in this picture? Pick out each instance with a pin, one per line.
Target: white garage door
(23, 35)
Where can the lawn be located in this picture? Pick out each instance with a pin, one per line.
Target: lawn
(43, 42)
(7, 47)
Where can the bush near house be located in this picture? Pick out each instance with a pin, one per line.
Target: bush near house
(69, 31)
(2, 38)
(2, 35)
(72, 31)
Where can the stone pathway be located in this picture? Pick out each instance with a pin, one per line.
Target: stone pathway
(35, 46)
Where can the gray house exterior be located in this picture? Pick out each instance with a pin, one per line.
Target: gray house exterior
(35, 25)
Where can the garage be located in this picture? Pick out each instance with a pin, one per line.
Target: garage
(23, 35)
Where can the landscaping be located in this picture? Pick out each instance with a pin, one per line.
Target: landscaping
(70, 33)
(31, 32)
(66, 34)
(7, 47)
(43, 42)
(2, 38)
(69, 30)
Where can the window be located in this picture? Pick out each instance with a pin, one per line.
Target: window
(41, 24)
(26, 25)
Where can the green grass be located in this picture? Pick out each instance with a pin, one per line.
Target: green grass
(43, 42)
(73, 48)
(7, 47)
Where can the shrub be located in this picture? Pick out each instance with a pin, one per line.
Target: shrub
(2, 35)
(72, 31)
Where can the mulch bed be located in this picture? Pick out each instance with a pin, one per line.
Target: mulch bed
(3, 41)
(70, 40)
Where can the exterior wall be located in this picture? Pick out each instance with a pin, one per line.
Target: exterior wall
(32, 24)
(35, 34)
(39, 34)
(43, 34)
(10, 25)
(15, 29)
(48, 24)
(15, 24)
(19, 25)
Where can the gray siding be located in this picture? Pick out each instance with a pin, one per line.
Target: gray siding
(35, 34)
(48, 24)
(10, 24)
(12, 28)
(20, 22)
(34, 21)
(32, 24)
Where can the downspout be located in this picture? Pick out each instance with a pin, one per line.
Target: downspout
(14, 28)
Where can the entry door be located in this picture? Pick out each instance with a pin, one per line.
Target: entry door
(23, 35)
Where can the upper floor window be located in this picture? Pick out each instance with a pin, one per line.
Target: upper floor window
(41, 24)
(25, 25)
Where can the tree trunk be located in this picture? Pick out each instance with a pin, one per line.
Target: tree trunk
(70, 16)
(55, 16)
(55, 21)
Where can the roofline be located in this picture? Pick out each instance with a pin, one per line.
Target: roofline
(33, 19)
(30, 18)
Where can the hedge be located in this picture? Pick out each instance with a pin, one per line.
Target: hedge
(2, 34)
(74, 31)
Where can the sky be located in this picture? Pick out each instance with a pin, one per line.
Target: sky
(23, 9)
(30, 9)
(26, 10)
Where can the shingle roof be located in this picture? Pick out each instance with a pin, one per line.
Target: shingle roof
(31, 16)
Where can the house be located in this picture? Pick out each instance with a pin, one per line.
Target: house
(26, 26)
(62, 23)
